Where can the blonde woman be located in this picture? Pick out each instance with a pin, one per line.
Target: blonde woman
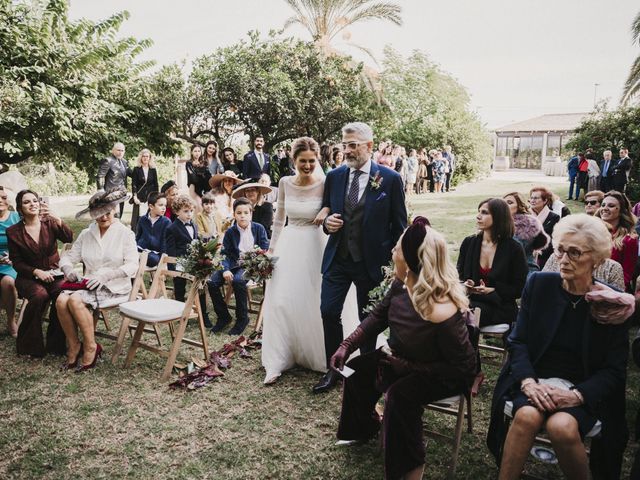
(144, 180)
(431, 355)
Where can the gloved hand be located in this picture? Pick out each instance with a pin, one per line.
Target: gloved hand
(104, 278)
(70, 274)
(346, 348)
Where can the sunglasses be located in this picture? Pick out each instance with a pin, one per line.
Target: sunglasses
(591, 202)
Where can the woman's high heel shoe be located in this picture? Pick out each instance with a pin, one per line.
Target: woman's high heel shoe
(84, 368)
(70, 366)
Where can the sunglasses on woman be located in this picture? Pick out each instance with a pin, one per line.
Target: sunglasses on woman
(591, 202)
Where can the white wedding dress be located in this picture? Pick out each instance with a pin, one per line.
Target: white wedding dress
(292, 326)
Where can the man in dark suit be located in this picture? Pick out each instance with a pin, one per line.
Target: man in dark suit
(621, 171)
(256, 162)
(606, 171)
(113, 171)
(367, 217)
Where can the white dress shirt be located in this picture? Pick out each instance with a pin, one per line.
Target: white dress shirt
(362, 181)
(246, 239)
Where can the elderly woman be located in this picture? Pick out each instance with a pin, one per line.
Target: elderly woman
(7, 273)
(33, 250)
(527, 228)
(109, 254)
(566, 368)
(492, 264)
(431, 355)
(592, 201)
(144, 180)
(262, 210)
(541, 199)
(615, 211)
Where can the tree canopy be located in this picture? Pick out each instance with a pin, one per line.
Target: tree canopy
(632, 84)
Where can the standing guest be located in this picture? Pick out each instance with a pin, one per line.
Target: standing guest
(256, 162)
(209, 221)
(430, 163)
(198, 176)
(493, 265)
(171, 192)
(451, 159)
(540, 200)
(387, 159)
(285, 162)
(262, 210)
(412, 171)
(439, 171)
(325, 157)
(239, 238)
(7, 273)
(431, 355)
(527, 228)
(222, 187)
(572, 170)
(33, 250)
(378, 153)
(566, 369)
(338, 158)
(583, 175)
(211, 159)
(558, 207)
(230, 161)
(144, 180)
(615, 211)
(621, 170)
(606, 171)
(151, 228)
(108, 251)
(593, 173)
(113, 171)
(592, 201)
(423, 173)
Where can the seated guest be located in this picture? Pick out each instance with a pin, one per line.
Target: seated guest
(616, 213)
(171, 191)
(177, 238)
(609, 271)
(431, 356)
(33, 250)
(209, 221)
(493, 265)
(527, 228)
(107, 249)
(559, 336)
(239, 238)
(541, 199)
(592, 201)
(262, 210)
(222, 188)
(151, 227)
(271, 197)
(7, 273)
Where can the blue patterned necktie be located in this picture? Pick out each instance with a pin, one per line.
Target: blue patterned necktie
(354, 189)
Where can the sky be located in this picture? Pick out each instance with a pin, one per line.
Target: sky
(517, 58)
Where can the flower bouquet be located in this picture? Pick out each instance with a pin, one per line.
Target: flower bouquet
(202, 258)
(257, 265)
(379, 292)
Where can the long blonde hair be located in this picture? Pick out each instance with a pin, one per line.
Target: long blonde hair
(152, 161)
(438, 279)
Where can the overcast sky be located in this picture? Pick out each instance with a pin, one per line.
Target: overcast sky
(517, 58)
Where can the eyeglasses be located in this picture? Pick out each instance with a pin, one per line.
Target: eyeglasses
(572, 252)
(591, 202)
(351, 145)
(533, 199)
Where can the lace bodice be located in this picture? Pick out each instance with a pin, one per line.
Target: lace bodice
(299, 204)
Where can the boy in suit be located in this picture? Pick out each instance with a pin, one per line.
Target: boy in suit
(151, 228)
(177, 238)
(239, 238)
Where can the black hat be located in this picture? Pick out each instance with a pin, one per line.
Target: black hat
(167, 186)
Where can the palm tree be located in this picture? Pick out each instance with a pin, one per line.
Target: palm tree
(632, 85)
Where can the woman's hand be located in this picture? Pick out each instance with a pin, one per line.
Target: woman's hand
(481, 289)
(320, 217)
(339, 358)
(43, 276)
(4, 259)
(228, 276)
(564, 398)
(45, 211)
(540, 396)
(70, 274)
(136, 200)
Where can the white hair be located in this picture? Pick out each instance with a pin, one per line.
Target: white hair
(117, 145)
(360, 129)
(605, 153)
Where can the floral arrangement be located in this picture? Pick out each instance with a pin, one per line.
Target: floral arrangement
(257, 264)
(376, 182)
(378, 293)
(202, 258)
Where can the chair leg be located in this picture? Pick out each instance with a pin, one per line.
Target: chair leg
(203, 331)
(134, 344)
(173, 353)
(469, 417)
(260, 312)
(120, 341)
(157, 332)
(456, 439)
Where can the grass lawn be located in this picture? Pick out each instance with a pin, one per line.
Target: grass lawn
(115, 423)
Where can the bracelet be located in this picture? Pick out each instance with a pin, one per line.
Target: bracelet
(578, 394)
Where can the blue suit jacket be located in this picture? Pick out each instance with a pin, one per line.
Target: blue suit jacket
(177, 238)
(572, 166)
(251, 167)
(231, 242)
(385, 216)
(149, 236)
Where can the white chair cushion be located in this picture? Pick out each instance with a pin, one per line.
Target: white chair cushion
(500, 328)
(153, 310)
(508, 411)
(447, 402)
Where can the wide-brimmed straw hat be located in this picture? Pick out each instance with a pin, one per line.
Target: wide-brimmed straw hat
(103, 202)
(216, 180)
(263, 189)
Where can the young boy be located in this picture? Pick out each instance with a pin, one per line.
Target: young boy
(209, 221)
(151, 228)
(240, 237)
(177, 238)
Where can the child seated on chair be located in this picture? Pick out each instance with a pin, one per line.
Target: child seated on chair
(239, 238)
(151, 228)
(209, 221)
(177, 238)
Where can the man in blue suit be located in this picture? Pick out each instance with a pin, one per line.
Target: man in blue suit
(572, 169)
(256, 162)
(367, 217)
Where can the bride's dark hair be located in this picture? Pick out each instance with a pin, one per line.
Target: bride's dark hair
(304, 144)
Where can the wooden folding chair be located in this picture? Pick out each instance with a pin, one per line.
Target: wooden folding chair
(255, 306)
(497, 332)
(157, 310)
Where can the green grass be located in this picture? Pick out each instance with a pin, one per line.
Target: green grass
(115, 423)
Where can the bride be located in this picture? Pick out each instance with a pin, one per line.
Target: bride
(292, 328)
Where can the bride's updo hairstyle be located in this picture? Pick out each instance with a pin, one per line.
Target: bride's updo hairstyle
(304, 144)
(427, 256)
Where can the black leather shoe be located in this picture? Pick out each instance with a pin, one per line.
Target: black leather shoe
(219, 326)
(326, 383)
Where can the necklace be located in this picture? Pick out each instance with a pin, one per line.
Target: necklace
(575, 304)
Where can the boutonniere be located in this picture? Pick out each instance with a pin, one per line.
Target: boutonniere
(376, 182)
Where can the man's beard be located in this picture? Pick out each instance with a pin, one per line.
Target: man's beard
(354, 162)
